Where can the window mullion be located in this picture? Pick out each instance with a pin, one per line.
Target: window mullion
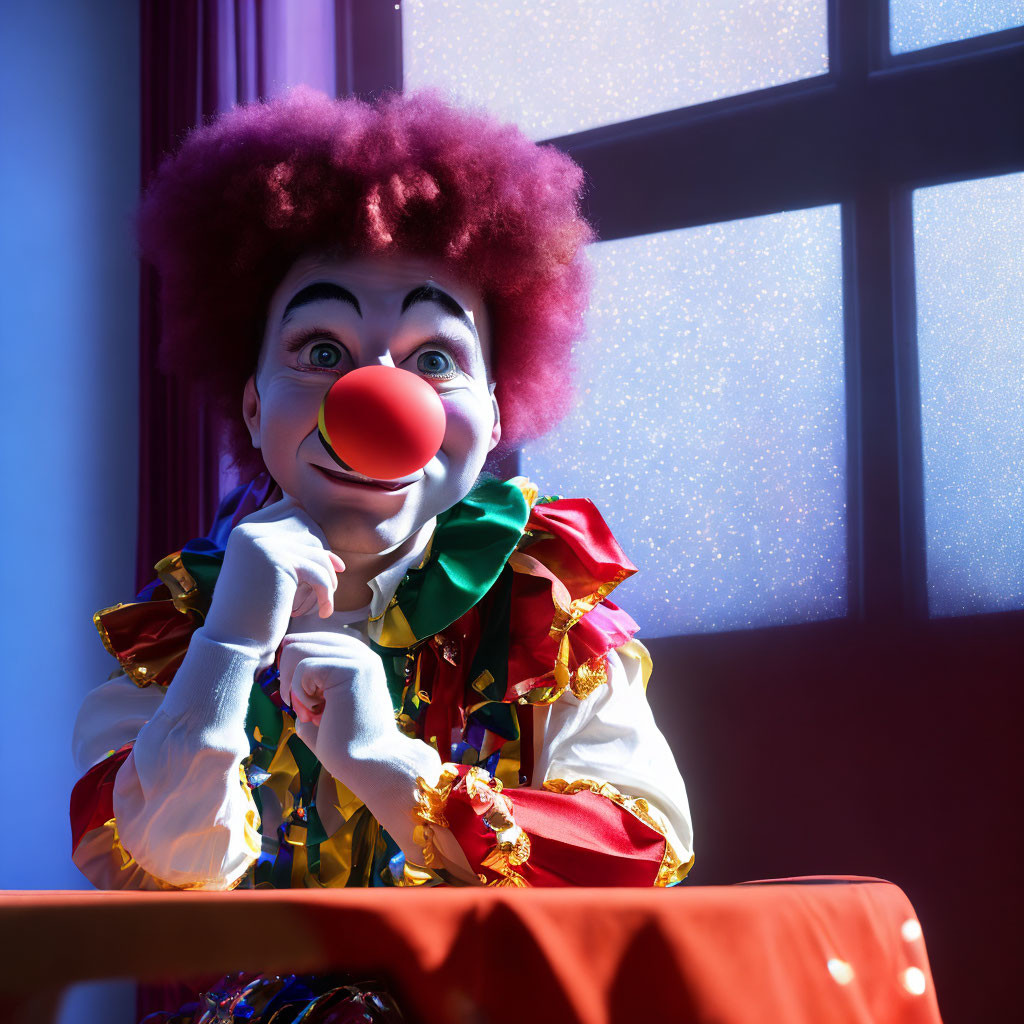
(851, 25)
(908, 399)
(885, 567)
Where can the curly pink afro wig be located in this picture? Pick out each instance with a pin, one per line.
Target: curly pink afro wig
(248, 194)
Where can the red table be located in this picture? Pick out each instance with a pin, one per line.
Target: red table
(794, 951)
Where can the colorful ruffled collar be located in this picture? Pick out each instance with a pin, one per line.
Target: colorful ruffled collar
(471, 544)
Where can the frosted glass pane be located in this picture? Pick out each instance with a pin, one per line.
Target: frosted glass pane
(559, 66)
(914, 24)
(970, 340)
(710, 429)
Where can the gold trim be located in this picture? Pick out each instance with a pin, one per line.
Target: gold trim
(97, 621)
(481, 683)
(565, 614)
(173, 574)
(252, 840)
(128, 861)
(429, 812)
(671, 869)
(507, 854)
(527, 488)
(180, 583)
(141, 674)
(415, 875)
(139, 875)
(136, 673)
(505, 858)
(431, 802)
(588, 677)
(426, 551)
(582, 605)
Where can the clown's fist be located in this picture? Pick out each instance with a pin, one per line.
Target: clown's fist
(277, 564)
(339, 692)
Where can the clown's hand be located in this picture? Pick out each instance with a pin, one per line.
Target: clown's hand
(339, 692)
(337, 688)
(277, 564)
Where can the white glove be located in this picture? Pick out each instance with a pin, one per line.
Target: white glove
(338, 689)
(277, 564)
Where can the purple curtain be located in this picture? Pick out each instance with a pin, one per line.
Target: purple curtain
(200, 57)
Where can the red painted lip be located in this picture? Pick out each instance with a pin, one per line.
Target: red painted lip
(341, 477)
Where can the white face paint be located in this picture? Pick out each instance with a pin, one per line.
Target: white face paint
(315, 334)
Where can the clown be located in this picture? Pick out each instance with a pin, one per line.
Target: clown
(352, 679)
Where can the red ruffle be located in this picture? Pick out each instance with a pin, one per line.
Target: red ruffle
(568, 552)
(152, 635)
(92, 799)
(575, 839)
(577, 529)
(442, 666)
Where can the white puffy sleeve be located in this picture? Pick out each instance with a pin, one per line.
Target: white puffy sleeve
(182, 811)
(610, 736)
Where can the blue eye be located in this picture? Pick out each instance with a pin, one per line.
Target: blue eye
(436, 363)
(325, 356)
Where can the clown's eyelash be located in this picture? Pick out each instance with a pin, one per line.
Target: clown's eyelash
(300, 341)
(454, 348)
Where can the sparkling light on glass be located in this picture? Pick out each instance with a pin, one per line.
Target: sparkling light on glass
(970, 341)
(710, 424)
(915, 24)
(559, 66)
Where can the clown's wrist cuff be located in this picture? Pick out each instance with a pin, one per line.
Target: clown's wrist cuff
(468, 803)
(580, 833)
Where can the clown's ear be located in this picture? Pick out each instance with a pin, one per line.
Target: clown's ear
(496, 429)
(251, 410)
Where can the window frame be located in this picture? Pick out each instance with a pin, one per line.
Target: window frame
(863, 135)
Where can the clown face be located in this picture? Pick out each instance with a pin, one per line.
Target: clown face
(330, 316)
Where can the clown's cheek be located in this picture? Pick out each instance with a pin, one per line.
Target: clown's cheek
(466, 435)
(296, 408)
(289, 416)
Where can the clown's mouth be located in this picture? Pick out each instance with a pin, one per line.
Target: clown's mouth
(354, 479)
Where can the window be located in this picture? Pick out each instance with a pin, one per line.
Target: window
(916, 24)
(853, 139)
(559, 66)
(970, 344)
(711, 382)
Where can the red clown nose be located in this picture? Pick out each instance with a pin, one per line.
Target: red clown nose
(382, 422)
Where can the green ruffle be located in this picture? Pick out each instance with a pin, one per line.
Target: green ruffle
(471, 544)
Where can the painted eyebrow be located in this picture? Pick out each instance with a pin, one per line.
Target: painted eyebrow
(431, 293)
(323, 290)
(318, 293)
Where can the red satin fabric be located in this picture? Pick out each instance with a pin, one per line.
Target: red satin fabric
(729, 954)
(576, 839)
(92, 799)
(577, 526)
(576, 556)
(151, 632)
(442, 667)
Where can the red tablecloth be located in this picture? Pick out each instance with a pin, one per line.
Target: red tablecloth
(800, 951)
